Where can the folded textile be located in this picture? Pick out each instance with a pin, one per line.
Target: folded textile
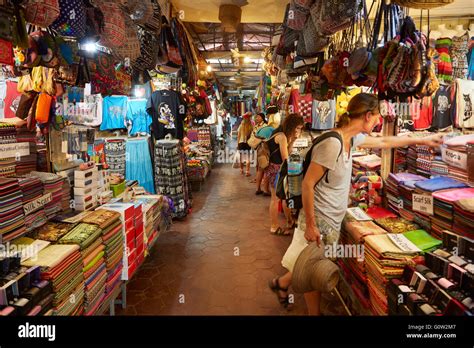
(83, 235)
(423, 240)
(439, 183)
(53, 231)
(102, 218)
(52, 255)
(396, 225)
(385, 247)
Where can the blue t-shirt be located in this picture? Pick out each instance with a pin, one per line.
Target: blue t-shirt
(114, 112)
(265, 132)
(138, 116)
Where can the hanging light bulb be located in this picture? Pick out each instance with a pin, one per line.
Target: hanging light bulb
(247, 60)
(209, 68)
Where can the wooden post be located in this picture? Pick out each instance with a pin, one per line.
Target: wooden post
(387, 154)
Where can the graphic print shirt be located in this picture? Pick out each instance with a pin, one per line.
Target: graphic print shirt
(324, 114)
(114, 112)
(138, 116)
(167, 113)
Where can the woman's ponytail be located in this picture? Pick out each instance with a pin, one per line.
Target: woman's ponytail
(344, 120)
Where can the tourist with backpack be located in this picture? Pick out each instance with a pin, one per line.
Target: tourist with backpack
(326, 185)
(278, 147)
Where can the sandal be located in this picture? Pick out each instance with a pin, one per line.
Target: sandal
(274, 286)
(281, 232)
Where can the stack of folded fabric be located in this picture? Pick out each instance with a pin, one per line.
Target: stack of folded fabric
(112, 237)
(401, 159)
(61, 265)
(423, 241)
(439, 167)
(32, 189)
(457, 148)
(406, 190)
(393, 184)
(367, 163)
(27, 164)
(12, 218)
(88, 238)
(428, 187)
(52, 184)
(424, 157)
(66, 196)
(354, 233)
(444, 208)
(464, 217)
(412, 155)
(42, 163)
(152, 211)
(53, 231)
(384, 260)
(396, 225)
(7, 136)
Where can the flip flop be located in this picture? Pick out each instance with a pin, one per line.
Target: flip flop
(274, 286)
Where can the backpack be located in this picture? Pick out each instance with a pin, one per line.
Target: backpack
(263, 152)
(296, 202)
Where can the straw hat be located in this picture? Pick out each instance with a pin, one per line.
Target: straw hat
(313, 271)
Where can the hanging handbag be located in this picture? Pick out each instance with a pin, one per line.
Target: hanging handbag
(114, 24)
(297, 17)
(72, 19)
(131, 48)
(42, 13)
(95, 22)
(43, 108)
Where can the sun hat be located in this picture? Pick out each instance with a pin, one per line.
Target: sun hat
(313, 271)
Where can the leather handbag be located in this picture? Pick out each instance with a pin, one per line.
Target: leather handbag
(41, 13)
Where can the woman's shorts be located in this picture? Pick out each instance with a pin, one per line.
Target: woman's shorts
(271, 173)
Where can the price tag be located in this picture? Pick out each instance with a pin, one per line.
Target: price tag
(423, 204)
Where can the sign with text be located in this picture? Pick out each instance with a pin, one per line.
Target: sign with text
(359, 214)
(302, 142)
(454, 158)
(37, 203)
(423, 203)
(403, 243)
(14, 150)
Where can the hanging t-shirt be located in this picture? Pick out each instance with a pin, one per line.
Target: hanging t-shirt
(138, 116)
(94, 108)
(114, 112)
(324, 114)
(12, 99)
(442, 108)
(302, 104)
(422, 113)
(167, 113)
(465, 103)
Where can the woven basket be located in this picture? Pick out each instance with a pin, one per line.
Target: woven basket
(42, 13)
(114, 24)
(422, 4)
(131, 48)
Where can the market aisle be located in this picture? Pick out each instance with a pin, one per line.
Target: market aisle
(195, 263)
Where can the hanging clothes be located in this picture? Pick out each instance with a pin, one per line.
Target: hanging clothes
(422, 113)
(323, 114)
(138, 117)
(459, 51)
(114, 112)
(115, 155)
(464, 103)
(170, 175)
(138, 164)
(442, 102)
(168, 113)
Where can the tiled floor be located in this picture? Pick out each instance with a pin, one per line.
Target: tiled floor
(218, 260)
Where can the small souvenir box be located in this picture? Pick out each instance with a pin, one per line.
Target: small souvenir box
(86, 174)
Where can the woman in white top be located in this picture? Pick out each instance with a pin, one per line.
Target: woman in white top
(327, 182)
